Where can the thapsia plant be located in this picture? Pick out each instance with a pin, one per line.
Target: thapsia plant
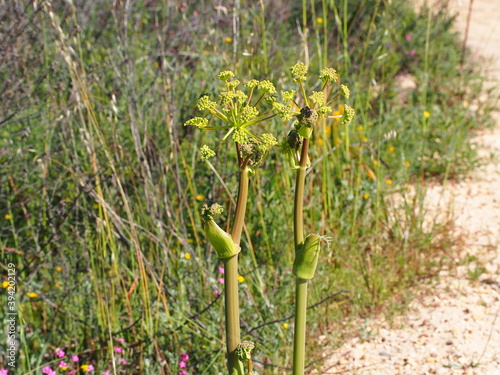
(309, 114)
(238, 111)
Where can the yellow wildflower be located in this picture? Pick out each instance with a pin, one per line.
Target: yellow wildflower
(228, 39)
(375, 163)
(187, 256)
(5, 284)
(360, 128)
(32, 295)
(388, 181)
(390, 149)
(285, 325)
(320, 142)
(407, 163)
(465, 103)
(427, 114)
(200, 197)
(84, 367)
(319, 20)
(8, 217)
(241, 278)
(366, 195)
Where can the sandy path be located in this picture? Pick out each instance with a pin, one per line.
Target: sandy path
(453, 328)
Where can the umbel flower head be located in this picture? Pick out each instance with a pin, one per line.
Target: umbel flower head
(238, 110)
(313, 107)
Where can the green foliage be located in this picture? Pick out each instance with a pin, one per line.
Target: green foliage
(101, 186)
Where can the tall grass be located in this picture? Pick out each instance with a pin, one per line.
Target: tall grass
(101, 185)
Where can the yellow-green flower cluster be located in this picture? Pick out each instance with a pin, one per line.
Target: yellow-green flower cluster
(204, 103)
(253, 83)
(199, 122)
(348, 115)
(267, 87)
(284, 111)
(299, 72)
(323, 111)
(268, 140)
(225, 75)
(318, 97)
(344, 91)
(240, 136)
(328, 75)
(206, 152)
(288, 95)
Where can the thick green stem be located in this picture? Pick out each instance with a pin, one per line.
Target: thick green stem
(235, 367)
(298, 208)
(299, 339)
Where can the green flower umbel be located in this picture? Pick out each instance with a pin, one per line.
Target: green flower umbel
(238, 110)
(218, 238)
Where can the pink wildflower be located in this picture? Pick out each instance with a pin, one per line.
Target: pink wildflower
(60, 353)
(72, 372)
(63, 364)
(121, 340)
(75, 358)
(220, 280)
(216, 292)
(106, 373)
(4, 371)
(118, 349)
(184, 357)
(123, 362)
(182, 364)
(90, 368)
(409, 37)
(221, 269)
(47, 370)
(413, 52)
(183, 372)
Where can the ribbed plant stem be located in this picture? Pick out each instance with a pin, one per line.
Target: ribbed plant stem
(299, 338)
(235, 367)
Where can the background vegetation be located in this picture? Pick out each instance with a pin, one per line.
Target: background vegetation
(100, 184)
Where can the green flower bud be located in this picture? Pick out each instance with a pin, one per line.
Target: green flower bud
(306, 257)
(299, 72)
(344, 91)
(225, 75)
(244, 350)
(328, 75)
(305, 131)
(220, 240)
